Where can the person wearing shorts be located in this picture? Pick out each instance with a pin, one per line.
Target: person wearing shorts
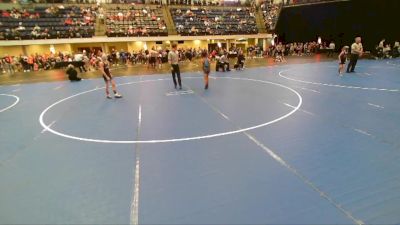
(206, 68)
(342, 59)
(104, 67)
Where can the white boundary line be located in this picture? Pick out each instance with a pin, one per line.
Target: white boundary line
(175, 93)
(51, 124)
(134, 217)
(335, 85)
(304, 179)
(376, 106)
(44, 125)
(283, 163)
(362, 132)
(393, 64)
(12, 105)
(301, 110)
(58, 87)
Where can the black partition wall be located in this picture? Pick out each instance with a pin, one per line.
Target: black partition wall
(341, 21)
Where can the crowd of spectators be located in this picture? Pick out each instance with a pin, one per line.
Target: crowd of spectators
(87, 61)
(202, 21)
(58, 21)
(386, 50)
(209, 3)
(46, 23)
(280, 50)
(294, 2)
(136, 21)
(33, 62)
(270, 13)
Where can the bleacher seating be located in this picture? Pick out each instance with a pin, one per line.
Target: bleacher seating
(270, 13)
(295, 2)
(136, 21)
(198, 21)
(38, 23)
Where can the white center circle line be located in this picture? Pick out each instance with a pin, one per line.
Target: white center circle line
(12, 105)
(49, 129)
(335, 85)
(393, 64)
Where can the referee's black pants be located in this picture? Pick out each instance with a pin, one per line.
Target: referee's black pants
(176, 72)
(352, 63)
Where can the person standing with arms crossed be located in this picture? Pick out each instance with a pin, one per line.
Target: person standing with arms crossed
(356, 52)
(173, 59)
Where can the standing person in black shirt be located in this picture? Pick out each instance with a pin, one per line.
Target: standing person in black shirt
(173, 59)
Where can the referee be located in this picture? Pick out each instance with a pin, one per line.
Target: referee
(173, 59)
(356, 52)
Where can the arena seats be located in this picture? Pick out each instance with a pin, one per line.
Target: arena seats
(210, 21)
(270, 13)
(46, 23)
(294, 2)
(136, 21)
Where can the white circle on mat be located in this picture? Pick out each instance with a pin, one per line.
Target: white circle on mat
(48, 128)
(12, 105)
(334, 85)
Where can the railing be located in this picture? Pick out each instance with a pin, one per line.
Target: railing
(304, 2)
(147, 2)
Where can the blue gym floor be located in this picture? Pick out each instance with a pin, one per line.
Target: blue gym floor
(290, 144)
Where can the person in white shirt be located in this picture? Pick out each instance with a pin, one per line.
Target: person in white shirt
(356, 52)
(396, 49)
(381, 44)
(224, 61)
(20, 27)
(386, 51)
(173, 59)
(331, 49)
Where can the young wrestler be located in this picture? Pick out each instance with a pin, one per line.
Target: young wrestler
(342, 59)
(104, 67)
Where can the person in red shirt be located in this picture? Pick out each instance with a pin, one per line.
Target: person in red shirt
(5, 14)
(30, 62)
(9, 64)
(68, 21)
(25, 14)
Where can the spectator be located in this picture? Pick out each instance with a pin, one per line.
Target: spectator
(224, 61)
(331, 49)
(20, 27)
(72, 73)
(240, 61)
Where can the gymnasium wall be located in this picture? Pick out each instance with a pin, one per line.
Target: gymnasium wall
(107, 47)
(341, 21)
(11, 50)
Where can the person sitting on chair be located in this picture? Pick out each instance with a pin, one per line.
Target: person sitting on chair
(240, 61)
(72, 73)
(225, 62)
(387, 51)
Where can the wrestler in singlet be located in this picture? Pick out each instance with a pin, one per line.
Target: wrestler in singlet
(106, 68)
